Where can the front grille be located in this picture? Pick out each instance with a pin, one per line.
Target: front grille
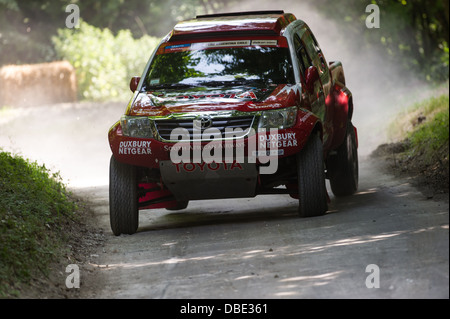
(240, 124)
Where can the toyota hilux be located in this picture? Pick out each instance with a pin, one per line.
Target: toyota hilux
(233, 105)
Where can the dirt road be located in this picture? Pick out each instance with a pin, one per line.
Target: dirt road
(246, 248)
(259, 248)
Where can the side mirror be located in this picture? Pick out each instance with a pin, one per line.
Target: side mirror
(311, 76)
(134, 83)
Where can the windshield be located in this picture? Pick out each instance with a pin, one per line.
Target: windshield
(221, 67)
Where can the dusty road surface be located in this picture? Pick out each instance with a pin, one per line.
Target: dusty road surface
(389, 233)
(259, 248)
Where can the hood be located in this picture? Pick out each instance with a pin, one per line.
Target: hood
(201, 99)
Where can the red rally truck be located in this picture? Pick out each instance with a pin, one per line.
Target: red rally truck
(229, 106)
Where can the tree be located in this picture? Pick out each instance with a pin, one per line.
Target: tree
(414, 33)
(27, 26)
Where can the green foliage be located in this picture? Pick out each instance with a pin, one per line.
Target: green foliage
(424, 129)
(418, 114)
(154, 17)
(412, 33)
(26, 27)
(18, 48)
(34, 205)
(429, 137)
(104, 62)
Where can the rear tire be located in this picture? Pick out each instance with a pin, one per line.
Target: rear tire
(343, 168)
(311, 179)
(123, 198)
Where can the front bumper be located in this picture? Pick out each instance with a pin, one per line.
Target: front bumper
(250, 145)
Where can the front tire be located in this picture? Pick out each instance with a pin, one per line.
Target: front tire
(311, 179)
(123, 198)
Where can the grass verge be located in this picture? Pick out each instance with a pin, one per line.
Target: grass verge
(428, 139)
(34, 210)
(421, 143)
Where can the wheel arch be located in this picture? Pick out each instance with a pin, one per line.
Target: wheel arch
(343, 114)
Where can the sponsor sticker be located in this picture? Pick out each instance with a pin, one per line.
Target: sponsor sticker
(135, 147)
(222, 44)
(279, 140)
(264, 42)
(218, 44)
(178, 47)
(201, 167)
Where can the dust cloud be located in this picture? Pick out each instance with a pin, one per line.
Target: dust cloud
(380, 89)
(69, 138)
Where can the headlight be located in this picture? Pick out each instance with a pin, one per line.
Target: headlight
(136, 127)
(281, 118)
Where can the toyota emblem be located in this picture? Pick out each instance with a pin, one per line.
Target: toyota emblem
(205, 121)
